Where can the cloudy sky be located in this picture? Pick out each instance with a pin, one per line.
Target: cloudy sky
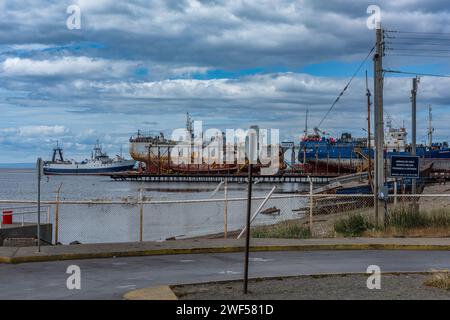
(230, 63)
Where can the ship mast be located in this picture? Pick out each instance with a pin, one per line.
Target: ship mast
(306, 123)
(430, 125)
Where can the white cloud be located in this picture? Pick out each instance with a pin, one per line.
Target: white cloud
(35, 131)
(65, 66)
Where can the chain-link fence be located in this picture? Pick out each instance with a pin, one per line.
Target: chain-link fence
(138, 219)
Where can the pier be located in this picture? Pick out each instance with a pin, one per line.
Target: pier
(298, 178)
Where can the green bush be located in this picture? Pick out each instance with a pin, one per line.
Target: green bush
(285, 230)
(353, 225)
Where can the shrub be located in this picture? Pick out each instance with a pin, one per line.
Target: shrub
(353, 225)
(439, 279)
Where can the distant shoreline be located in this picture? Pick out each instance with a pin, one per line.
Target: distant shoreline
(17, 165)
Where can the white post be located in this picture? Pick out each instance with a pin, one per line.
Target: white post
(141, 213)
(258, 210)
(48, 215)
(225, 213)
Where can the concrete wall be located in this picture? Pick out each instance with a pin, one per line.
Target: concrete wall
(27, 231)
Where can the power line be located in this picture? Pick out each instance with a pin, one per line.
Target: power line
(418, 44)
(418, 73)
(346, 87)
(417, 32)
(417, 38)
(404, 49)
(418, 55)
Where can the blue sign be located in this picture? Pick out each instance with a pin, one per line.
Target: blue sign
(405, 166)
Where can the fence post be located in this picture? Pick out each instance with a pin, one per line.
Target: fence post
(48, 215)
(225, 213)
(311, 205)
(141, 213)
(395, 192)
(58, 192)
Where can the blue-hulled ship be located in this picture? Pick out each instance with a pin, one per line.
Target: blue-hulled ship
(347, 154)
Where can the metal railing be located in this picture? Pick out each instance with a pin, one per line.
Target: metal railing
(23, 212)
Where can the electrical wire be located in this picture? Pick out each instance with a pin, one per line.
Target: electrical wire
(417, 73)
(417, 32)
(418, 55)
(346, 87)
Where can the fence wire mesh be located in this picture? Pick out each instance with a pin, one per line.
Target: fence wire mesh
(135, 220)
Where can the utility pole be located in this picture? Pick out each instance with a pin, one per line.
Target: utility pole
(378, 119)
(415, 81)
(430, 126)
(369, 151)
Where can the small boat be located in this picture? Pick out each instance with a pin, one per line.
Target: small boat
(271, 211)
(99, 163)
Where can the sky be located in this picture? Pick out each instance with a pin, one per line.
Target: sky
(229, 63)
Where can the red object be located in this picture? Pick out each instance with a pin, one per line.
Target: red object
(7, 217)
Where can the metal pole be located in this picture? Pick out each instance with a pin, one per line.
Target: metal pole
(247, 237)
(395, 192)
(57, 214)
(311, 205)
(39, 169)
(414, 126)
(252, 158)
(141, 213)
(225, 213)
(379, 126)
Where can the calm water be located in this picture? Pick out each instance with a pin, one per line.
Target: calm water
(119, 223)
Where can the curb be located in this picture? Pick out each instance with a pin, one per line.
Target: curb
(151, 293)
(167, 293)
(230, 249)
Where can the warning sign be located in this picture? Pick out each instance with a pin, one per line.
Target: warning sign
(405, 166)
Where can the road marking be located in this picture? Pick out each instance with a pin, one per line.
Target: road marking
(229, 272)
(186, 261)
(126, 286)
(261, 260)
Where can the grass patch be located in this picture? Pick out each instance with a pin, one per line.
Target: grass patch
(406, 217)
(353, 225)
(401, 221)
(440, 279)
(284, 230)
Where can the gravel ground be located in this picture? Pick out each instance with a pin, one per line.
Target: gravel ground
(335, 287)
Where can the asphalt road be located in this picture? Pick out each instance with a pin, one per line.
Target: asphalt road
(111, 278)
